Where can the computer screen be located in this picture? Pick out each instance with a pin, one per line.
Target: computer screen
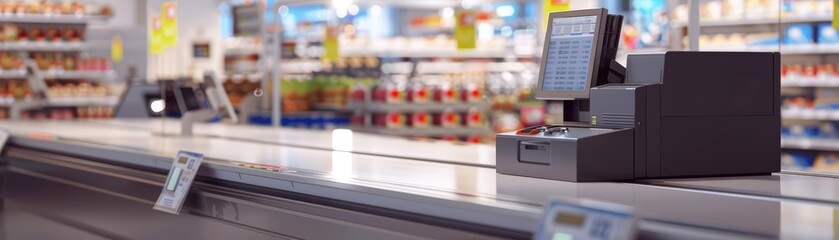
(567, 62)
(571, 54)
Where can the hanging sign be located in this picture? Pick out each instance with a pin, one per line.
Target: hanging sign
(330, 44)
(169, 23)
(553, 6)
(116, 49)
(464, 29)
(155, 37)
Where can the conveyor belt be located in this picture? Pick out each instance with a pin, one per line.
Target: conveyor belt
(799, 186)
(452, 193)
(362, 143)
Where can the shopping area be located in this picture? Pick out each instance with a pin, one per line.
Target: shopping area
(433, 119)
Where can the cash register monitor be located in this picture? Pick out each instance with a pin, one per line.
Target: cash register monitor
(578, 54)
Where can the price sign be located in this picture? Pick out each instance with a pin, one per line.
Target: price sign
(568, 219)
(183, 171)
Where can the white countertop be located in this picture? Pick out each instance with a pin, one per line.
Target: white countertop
(459, 184)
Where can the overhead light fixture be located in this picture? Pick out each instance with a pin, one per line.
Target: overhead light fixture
(505, 11)
(341, 7)
(376, 10)
(447, 12)
(353, 9)
(467, 4)
(282, 10)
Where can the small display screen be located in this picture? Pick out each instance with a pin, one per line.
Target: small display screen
(570, 219)
(172, 182)
(568, 55)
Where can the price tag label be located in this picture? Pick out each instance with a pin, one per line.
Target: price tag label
(569, 219)
(184, 168)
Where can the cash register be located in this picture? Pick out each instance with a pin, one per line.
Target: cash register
(665, 115)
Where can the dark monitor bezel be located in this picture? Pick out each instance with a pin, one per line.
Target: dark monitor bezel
(594, 60)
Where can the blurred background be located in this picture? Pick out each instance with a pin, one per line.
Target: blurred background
(456, 70)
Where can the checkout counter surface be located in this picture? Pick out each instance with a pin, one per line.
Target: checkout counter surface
(786, 206)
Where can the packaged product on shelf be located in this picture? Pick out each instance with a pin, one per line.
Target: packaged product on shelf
(4, 114)
(827, 162)
(798, 34)
(471, 93)
(10, 32)
(798, 160)
(827, 34)
(473, 118)
(447, 119)
(390, 93)
(418, 93)
(389, 120)
(35, 34)
(419, 120)
(294, 96)
(71, 35)
(446, 93)
(473, 139)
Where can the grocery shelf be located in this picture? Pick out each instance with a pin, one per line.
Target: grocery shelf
(428, 132)
(417, 107)
(82, 101)
(757, 21)
(13, 74)
(85, 75)
(831, 145)
(803, 49)
(42, 46)
(329, 107)
(810, 114)
(435, 53)
(809, 83)
(43, 18)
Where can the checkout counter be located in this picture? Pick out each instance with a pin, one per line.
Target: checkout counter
(100, 179)
(103, 177)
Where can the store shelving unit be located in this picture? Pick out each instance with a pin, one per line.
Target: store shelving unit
(77, 74)
(810, 144)
(757, 21)
(380, 107)
(36, 78)
(52, 19)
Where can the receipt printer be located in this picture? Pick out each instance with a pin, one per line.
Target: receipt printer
(673, 114)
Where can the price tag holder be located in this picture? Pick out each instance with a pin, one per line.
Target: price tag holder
(184, 168)
(570, 219)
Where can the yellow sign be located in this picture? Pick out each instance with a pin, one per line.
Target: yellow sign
(116, 49)
(156, 36)
(835, 14)
(464, 29)
(330, 44)
(835, 211)
(169, 23)
(554, 6)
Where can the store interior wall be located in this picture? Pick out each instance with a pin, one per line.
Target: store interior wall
(198, 21)
(128, 23)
